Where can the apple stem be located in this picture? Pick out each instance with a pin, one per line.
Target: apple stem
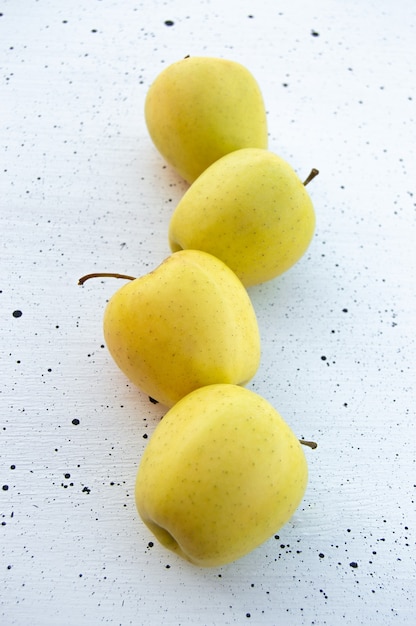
(104, 275)
(314, 172)
(310, 444)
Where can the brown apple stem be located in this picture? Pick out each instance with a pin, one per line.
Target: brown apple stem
(314, 172)
(310, 444)
(104, 275)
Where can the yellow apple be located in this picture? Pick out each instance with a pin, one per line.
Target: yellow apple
(222, 473)
(200, 108)
(249, 209)
(188, 323)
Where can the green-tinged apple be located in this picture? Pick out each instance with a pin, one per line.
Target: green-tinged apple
(186, 324)
(221, 474)
(201, 108)
(251, 210)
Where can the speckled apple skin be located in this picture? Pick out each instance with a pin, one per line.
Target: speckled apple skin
(251, 210)
(186, 324)
(200, 108)
(221, 474)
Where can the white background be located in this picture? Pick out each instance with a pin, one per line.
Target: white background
(83, 189)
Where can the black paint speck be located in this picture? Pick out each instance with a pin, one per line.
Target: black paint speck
(321, 555)
(153, 401)
(354, 564)
(75, 421)
(169, 23)
(17, 313)
(5, 487)
(314, 33)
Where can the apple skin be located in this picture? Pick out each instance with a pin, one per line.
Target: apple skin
(221, 474)
(249, 209)
(186, 324)
(200, 108)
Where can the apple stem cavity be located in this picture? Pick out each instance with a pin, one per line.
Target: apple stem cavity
(310, 444)
(314, 172)
(83, 279)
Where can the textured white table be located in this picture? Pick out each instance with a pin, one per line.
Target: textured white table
(83, 190)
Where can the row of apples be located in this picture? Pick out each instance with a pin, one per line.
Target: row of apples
(222, 471)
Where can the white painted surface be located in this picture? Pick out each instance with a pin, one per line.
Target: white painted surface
(83, 189)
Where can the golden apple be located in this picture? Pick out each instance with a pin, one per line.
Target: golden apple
(200, 108)
(186, 324)
(221, 474)
(249, 209)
